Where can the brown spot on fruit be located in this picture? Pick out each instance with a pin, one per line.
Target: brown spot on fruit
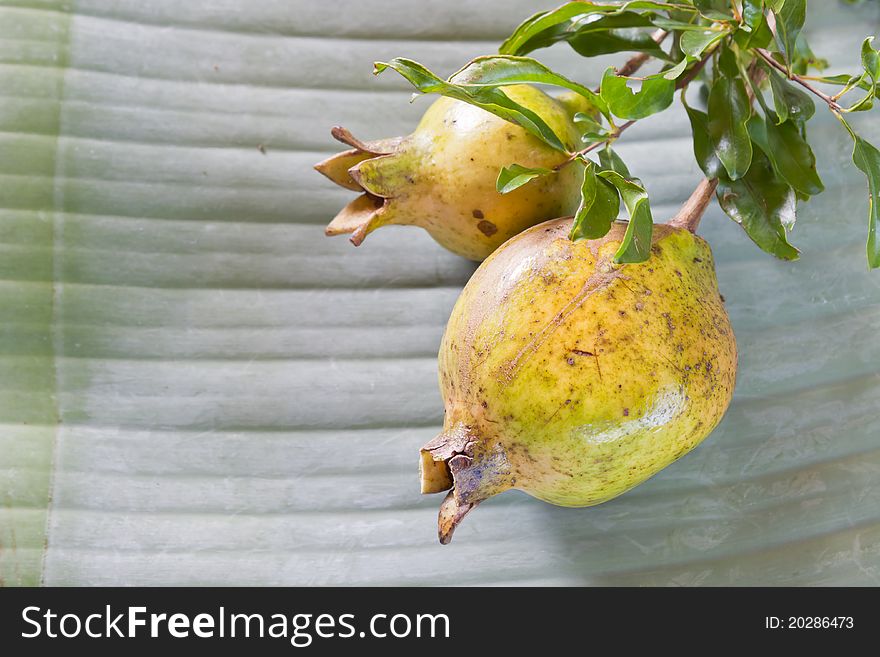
(478, 214)
(487, 228)
(626, 412)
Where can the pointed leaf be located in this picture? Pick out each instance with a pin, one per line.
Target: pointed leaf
(502, 70)
(867, 158)
(693, 43)
(789, 22)
(588, 123)
(788, 152)
(577, 28)
(755, 32)
(515, 176)
(714, 9)
(529, 29)
(727, 63)
(763, 205)
(592, 44)
(536, 27)
(704, 152)
(805, 58)
(870, 77)
(610, 161)
(636, 244)
(788, 100)
(729, 109)
(599, 206)
(844, 79)
(654, 96)
(793, 158)
(673, 72)
(491, 99)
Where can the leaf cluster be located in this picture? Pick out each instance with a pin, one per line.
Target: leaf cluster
(752, 62)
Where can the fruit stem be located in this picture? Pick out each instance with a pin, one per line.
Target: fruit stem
(692, 211)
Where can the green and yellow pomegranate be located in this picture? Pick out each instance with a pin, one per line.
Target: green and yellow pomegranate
(442, 177)
(573, 378)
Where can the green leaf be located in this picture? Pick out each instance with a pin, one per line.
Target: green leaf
(577, 28)
(678, 26)
(514, 176)
(789, 22)
(599, 206)
(763, 205)
(729, 109)
(535, 29)
(727, 63)
(636, 244)
(789, 101)
(491, 99)
(792, 157)
(693, 44)
(867, 158)
(805, 58)
(704, 152)
(755, 32)
(843, 79)
(592, 44)
(588, 122)
(591, 129)
(502, 70)
(673, 72)
(533, 26)
(714, 9)
(758, 133)
(654, 96)
(871, 66)
(610, 161)
(788, 152)
(870, 59)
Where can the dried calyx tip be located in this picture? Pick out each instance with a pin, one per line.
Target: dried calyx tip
(452, 512)
(343, 135)
(450, 461)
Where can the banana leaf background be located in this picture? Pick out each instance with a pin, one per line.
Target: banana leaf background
(198, 387)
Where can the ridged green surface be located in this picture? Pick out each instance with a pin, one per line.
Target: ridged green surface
(241, 400)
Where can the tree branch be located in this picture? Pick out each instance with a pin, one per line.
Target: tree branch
(767, 57)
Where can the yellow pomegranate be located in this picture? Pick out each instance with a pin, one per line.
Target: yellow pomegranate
(442, 177)
(573, 378)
